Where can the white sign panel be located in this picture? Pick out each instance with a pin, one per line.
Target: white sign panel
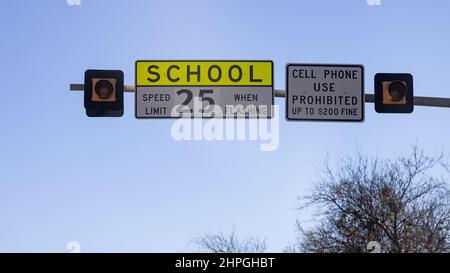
(319, 92)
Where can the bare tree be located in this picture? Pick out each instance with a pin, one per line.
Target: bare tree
(400, 203)
(228, 243)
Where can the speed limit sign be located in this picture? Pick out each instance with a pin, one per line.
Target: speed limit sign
(204, 89)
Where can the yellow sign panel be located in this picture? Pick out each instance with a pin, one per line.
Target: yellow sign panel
(204, 73)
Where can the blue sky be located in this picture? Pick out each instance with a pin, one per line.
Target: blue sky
(124, 184)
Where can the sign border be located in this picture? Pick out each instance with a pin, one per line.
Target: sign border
(223, 117)
(363, 98)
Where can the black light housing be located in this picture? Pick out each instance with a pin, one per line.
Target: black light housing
(394, 93)
(103, 93)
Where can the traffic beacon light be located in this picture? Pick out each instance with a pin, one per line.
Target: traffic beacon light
(103, 93)
(394, 93)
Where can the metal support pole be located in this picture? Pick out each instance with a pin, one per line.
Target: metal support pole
(80, 87)
(370, 98)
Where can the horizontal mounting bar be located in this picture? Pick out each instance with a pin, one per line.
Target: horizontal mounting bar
(370, 98)
(80, 87)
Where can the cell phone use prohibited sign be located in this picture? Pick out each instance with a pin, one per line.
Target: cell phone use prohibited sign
(321, 92)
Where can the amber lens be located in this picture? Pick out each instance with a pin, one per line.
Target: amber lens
(397, 91)
(104, 89)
